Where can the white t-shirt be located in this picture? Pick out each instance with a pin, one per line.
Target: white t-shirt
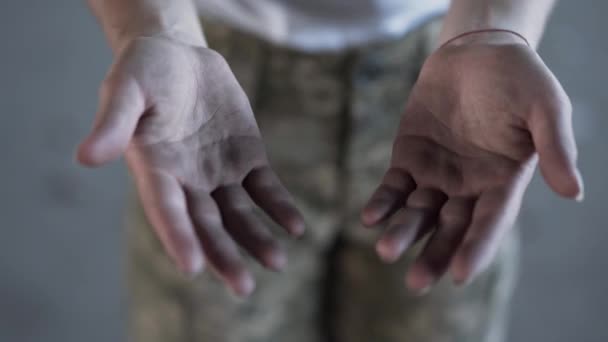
(315, 25)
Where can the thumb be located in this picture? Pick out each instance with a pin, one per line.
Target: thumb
(121, 104)
(554, 141)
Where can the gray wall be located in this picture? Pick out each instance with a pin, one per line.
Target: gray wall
(60, 245)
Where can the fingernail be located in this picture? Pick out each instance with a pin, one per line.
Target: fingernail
(581, 195)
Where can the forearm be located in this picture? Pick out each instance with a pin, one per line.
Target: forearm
(124, 20)
(527, 17)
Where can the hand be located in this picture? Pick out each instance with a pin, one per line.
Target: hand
(478, 119)
(194, 149)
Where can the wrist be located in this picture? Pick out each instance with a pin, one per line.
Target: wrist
(487, 37)
(125, 38)
(124, 21)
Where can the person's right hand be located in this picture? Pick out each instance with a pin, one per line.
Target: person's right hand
(194, 149)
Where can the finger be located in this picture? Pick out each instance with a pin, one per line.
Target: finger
(410, 223)
(246, 228)
(219, 248)
(434, 260)
(165, 206)
(266, 190)
(121, 105)
(388, 198)
(554, 141)
(494, 214)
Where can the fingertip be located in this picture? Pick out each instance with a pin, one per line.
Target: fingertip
(244, 285)
(238, 279)
(461, 270)
(93, 154)
(296, 225)
(290, 218)
(275, 259)
(459, 275)
(419, 279)
(571, 188)
(191, 266)
(370, 215)
(387, 251)
(564, 181)
(83, 156)
(188, 259)
(367, 218)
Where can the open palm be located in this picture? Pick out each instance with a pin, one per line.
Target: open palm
(467, 146)
(196, 155)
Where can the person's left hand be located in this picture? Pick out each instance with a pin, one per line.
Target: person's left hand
(478, 117)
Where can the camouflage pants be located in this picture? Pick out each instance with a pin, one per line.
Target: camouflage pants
(328, 121)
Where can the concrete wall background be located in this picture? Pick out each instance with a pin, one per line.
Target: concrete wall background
(60, 236)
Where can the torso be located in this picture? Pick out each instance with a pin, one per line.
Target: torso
(323, 24)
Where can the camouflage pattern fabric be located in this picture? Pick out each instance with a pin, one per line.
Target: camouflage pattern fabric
(328, 121)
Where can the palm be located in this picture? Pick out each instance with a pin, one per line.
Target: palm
(440, 156)
(464, 154)
(202, 133)
(197, 157)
